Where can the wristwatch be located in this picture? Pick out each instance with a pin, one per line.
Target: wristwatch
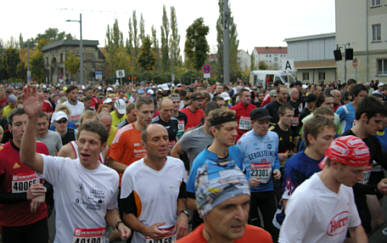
(185, 211)
(117, 224)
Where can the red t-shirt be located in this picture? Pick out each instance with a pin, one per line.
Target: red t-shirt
(252, 234)
(18, 178)
(193, 119)
(242, 114)
(47, 107)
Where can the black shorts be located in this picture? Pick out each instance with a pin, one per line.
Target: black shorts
(37, 232)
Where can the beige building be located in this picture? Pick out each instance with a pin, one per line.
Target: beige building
(313, 57)
(272, 56)
(55, 54)
(362, 24)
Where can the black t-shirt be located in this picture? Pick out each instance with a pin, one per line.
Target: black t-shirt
(273, 107)
(171, 126)
(286, 138)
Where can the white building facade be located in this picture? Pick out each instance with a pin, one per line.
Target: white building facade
(244, 59)
(272, 56)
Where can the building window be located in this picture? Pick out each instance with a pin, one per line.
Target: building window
(276, 59)
(376, 32)
(382, 66)
(375, 3)
(321, 76)
(61, 58)
(305, 76)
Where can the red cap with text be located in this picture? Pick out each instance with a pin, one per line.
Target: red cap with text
(348, 150)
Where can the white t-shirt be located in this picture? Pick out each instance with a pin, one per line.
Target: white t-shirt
(314, 213)
(75, 110)
(157, 191)
(81, 196)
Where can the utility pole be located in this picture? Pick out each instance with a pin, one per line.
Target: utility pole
(226, 43)
(80, 47)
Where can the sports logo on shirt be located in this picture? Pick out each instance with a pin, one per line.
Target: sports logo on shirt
(338, 224)
(269, 146)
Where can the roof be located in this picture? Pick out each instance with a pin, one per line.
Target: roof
(56, 44)
(311, 37)
(264, 50)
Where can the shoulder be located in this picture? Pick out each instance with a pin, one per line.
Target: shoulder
(256, 233)
(156, 119)
(175, 162)
(109, 171)
(272, 134)
(133, 168)
(41, 148)
(246, 136)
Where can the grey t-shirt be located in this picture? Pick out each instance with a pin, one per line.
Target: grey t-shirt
(53, 142)
(194, 141)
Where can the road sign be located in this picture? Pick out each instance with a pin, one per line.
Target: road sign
(98, 75)
(354, 63)
(288, 65)
(120, 73)
(206, 75)
(206, 68)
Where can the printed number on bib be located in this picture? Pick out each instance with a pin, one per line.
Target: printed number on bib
(169, 238)
(244, 123)
(22, 182)
(180, 126)
(367, 174)
(262, 171)
(96, 235)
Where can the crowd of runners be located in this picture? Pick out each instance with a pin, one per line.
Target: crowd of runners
(146, 163)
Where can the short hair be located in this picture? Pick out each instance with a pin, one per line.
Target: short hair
(88, 114)
(210, 107)
(320, 100)
(43, 114)
(219, 113)
(206, 95)
(71, 88)
(351, 81)
(64, 108)
(357, 88)
(321, 111)
(143, 100)
(243, 90)
(130, 107)
(16, 112)
(371, 106)
(96, 127)
(101, 106)
(283, 108)
(217, 97)
(315, 125)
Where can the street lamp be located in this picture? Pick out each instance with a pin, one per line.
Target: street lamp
(80, 48)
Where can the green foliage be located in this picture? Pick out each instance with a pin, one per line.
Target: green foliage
(37, 66)
(72, 64)
(146, 58)
(164, 41)
(196, 46)
(11, 61)
(252, 61)
(156, 49)
(174, 41)
(262, 65)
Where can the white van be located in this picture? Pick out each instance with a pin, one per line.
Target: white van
(266, 78)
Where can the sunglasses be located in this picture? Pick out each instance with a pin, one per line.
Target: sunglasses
(62, 121)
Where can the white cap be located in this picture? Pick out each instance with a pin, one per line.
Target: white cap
(109, 89)
(304, 86)
(107, 101)
(150, 91)
(225, 96)
(120, 106)
(380, 84)
(57, 116)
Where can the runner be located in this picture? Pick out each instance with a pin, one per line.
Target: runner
(153, 192)
(259, 148)
(23, 213)
(166, 119)
(85, 190)
(51, 139)
(328, 207)
(222, 198)
(76, 107)
(194, 111)
(243, 109)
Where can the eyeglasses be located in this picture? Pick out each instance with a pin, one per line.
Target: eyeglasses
(61, 121)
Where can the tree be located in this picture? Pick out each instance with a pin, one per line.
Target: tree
(72, 64)
(234, 42)
(114, 38)
(156, 49)
(37, 66)
(12, 59)
(135, 38)
(164, 41)
(146, 58)
(262, 65)
(252, 61)
(196, 45)
(174, 41)
(142, 29)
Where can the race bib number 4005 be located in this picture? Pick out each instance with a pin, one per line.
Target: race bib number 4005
(22, 182)
(96, 235)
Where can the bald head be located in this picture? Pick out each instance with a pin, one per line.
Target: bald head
(166, 109)
(151, 130)
(294, 94)
(106, 119)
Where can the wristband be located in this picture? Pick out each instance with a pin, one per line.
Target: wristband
(117, 224)
(185, 211)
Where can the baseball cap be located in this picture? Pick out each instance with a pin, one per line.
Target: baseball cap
(57, 116)
(107, 101)
(348, 150)
(216, 182)
(225, 96)
(380, 84)
(260, 114)
(120, 106)
(12, 98)
(109, 89)
(140, 91)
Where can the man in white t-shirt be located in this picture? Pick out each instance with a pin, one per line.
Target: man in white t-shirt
(75, 106)
(85, 190)
(153, 192)
(322, 208)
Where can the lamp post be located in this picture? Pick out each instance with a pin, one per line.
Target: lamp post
(80, 48)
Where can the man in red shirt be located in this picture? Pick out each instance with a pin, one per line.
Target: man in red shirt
(243, 109)
(23, 213)
(194, 111)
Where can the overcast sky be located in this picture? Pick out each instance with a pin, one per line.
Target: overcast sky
(259, 22)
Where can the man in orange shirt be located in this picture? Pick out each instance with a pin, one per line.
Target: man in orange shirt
(127, 147)
(194, 111)
(223, 201)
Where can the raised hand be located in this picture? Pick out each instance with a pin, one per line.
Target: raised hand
(32, 101)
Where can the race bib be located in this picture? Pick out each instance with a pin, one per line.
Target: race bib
(262, 171)
(96, 235)
(295, 121)
(180, 126)
(244, 123)
(169, 238)
(367, 174)
(22, 182)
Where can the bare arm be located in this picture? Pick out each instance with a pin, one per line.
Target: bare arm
(67, 151)
(119, 167)
(153, 231)
(358, 234)
(177, 150)
(113, 219)
(191, 203)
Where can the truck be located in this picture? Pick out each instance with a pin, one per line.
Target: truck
(266, 78)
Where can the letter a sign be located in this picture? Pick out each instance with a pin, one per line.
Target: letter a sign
(288, 65)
